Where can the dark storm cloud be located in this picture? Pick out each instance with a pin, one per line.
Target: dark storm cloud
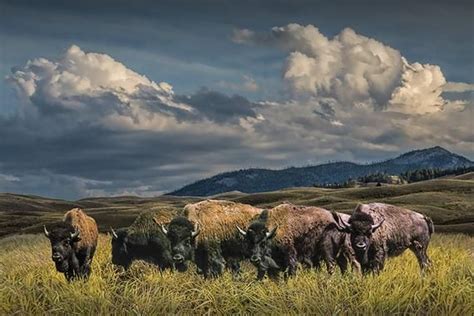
(219, 107)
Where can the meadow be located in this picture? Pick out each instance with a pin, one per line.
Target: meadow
(29, 285)
(448, 201)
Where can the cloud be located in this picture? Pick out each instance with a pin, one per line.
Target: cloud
(458, 87)
(353, 69)
(88, 125)
(247, 84)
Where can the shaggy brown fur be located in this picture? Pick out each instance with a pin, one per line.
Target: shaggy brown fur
(218, 219)
(295, 221)
(304, 234)
(145, 223)
(85, 225)
(402, 229)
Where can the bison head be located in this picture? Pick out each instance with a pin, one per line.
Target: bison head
(62, 237)
(259, 241)
(120, 256)
(360, 226)
(181, 234)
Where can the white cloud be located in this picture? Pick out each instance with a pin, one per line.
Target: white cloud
(352, 69)
(458, 87)
(107, 130)
(247, 84)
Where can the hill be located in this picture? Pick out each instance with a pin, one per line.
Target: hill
(449, 201)
(263, 180)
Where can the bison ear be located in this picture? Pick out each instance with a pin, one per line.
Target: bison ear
(375, 226)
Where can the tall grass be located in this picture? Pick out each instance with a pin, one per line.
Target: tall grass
(29, 285)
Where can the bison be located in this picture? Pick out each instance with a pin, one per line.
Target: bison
(142, 240)
(378, 231)
(287, 234)
(206, 234)
(73, 244)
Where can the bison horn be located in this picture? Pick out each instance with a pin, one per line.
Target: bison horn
(114, 234)
(195, 231)
(75, 235)
(163, 229)
(46, 232)
(340, 221)
(375, 226)
(241, 231)
(271, 233)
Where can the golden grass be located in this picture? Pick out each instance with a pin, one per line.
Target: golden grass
(29, 285)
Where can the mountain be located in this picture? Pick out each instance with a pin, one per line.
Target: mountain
(263, 180)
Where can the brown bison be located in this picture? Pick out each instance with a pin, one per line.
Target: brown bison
(378, 231)
(73, 243)
(287, 234)
(206, 234)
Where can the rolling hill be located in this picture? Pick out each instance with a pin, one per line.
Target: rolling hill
(448, 201)
(264, 180)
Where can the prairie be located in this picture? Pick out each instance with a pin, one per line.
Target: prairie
(448, 201)
(29, 285)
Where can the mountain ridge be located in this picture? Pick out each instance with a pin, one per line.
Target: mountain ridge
(255, 180)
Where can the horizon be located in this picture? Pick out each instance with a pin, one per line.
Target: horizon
(234, 171)
(148, 97)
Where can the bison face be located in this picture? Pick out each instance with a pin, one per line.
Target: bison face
(259, 242)
(62, 238)
(181, 234)
(361, 227)
(120, 255)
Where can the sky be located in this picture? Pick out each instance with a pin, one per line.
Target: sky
(102, 98)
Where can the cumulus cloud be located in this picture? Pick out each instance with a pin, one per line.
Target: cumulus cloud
(458, 87)
(88, 125)
(353, 69)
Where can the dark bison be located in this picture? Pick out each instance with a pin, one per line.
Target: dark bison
(142, 240)
(206, 234)
(73, 243)
(378, 231)
(287, 234)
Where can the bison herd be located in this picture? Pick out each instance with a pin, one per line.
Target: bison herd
(216, 235)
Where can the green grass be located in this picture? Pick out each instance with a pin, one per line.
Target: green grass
(29, 285)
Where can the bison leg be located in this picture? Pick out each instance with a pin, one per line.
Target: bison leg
(234, 266)
(379, 260)
(274, 274)
(342, 263)
(292, 261)
(260, 274)
(420, 252)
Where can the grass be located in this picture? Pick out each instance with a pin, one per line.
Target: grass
(29, 285)
(448, 201)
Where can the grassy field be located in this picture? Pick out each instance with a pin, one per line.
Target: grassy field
(448, 201)
(29, 285)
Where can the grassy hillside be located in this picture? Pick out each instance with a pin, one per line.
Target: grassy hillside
(449, 201)
(29, 285)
